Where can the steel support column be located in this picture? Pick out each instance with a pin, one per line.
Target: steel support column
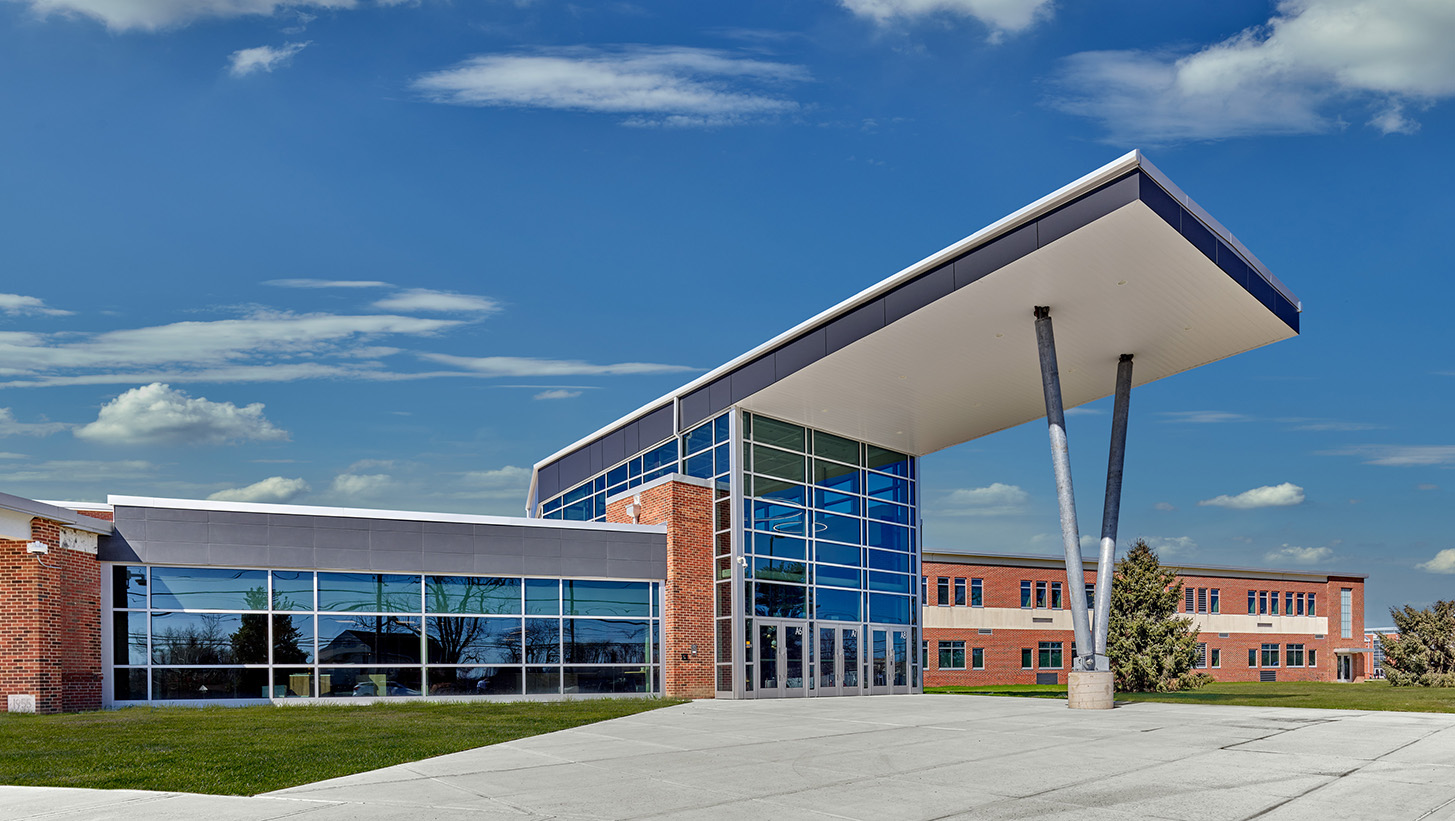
(1116, 457)
(1061, 463)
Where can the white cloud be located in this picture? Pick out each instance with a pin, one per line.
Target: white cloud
(1401, 455)
(150, 15)
(1427, 486)
(360, 485)
(1170, 546)
(1204, 417)
(1164, 506)
(158, 414)
(557, 393)
(247, 61)
(509, 483)
(1328, 425)
(9, 426)
(1299, 555)
(530, 366)
(423, 299)
(1282, 495)
(69, 471)
(1443, 562)
(1310, 66)
(17, 304)
(995, 499)
(327, 283)
(274, 489)
(1083, 410)
(1000, 16)
(651, 85)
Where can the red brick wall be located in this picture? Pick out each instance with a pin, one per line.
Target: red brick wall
(1002, 647)
(50, 623)
(687, 610)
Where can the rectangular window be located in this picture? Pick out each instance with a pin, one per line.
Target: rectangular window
(1288, 603)
(1252, 602)
(952, 655)
(1299, 599)
(1262, 602)
(924, 589)
(1212, 600)
(1311, 605)
(1091, 597)
(959, 592)
(924, 655)
(1202, 600)
(1040, 594)
(1252, 657)
(1025, 594)
(1270, 655)
(1050, 655)
(1026, 657)
(1201, 655)
(1217, 658)
(1346, 613)
(1187, 605)
(1312, 657)
(977, 658)
(1273, 603)
(942, 591)
(1293, 655)
(977, 593)
(1055, 595)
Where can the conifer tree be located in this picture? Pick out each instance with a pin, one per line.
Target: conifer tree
(1424, 651)
(1149, 646)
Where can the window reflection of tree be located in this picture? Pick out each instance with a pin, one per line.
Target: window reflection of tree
(203, 639)
(469, 640)
(374, 640)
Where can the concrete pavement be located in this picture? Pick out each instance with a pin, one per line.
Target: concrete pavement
(884, 757)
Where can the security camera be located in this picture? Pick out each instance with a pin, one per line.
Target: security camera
(37, 548)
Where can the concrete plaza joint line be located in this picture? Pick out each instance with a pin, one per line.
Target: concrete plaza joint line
(891, 757)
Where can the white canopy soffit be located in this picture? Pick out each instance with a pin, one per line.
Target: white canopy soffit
(945, 350)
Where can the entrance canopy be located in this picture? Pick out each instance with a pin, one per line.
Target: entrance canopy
(945, 350)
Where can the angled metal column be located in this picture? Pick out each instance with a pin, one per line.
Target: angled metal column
(1061, 462)
(1112, 511)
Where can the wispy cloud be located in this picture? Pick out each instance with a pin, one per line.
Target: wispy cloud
(10, 426)
(1299, 423)
(1400, 455)
(20, 305)
(1002, 17)
(274, 489)
(557, 393)
(649, 85)
(151, 15)
(1443, 562)
(1204, 417)
(359, 487)
(247, 61)
(1312, 66)
(157, 414)
(1298, 555)
(327, 283)
(1168, 547)
(1284, 495)
(424, 299)
(531, 366)
(995, 499)
(1164, 506)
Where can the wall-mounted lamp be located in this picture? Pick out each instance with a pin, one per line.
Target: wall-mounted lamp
(38, 548)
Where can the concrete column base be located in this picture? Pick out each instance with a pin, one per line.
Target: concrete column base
(1090, 691)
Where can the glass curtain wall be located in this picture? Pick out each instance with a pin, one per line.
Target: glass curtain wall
(207, 633)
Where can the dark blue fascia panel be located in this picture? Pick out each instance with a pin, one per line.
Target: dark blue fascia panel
(631, 441)
(855, 325)
(1162, 203)
(1201, 236)
(753, 377)
(719, 393)
(1233, 265)
(548, 481)
(800, 353)
(613, 448)
(655, 426)
(919, 292)
(994, 255)
(1087, 209)
(694, 408)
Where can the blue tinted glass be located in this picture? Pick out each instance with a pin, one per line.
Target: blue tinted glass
(349, 639)
(888, 511)
(778, 463)
(886, 460)
(836, 502)
(292, 589)
(542, 597)
(838, 576)
(699, 438)
(367, 592)
(838, 553)
(885, 560)
(664, 455)
(616, 475)
(472, 594)
(778, 518)
(468, 640)
(208, 588)
(889, 582)
(838, 528)
(542, 641)
(720, 428)
(598, 641)
(604, 598)
(209, 638)
(598, 484)
(889, 488)
(780, 570)
(890, 536)
(721, 459)
(783, 547)
(635, 467)
(699, 465)
(782, 434)
(582, 511)
(129, 588)
(780, 601)
(835, 476)
(887, 609)
(576, 494)
(777, 489)
(836, 605)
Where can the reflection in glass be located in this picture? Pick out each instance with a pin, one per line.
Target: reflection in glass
(837, 605)
(597, 641)
(368, 640)
(835, 476)
(292, 683)
(828, 645)
(780, 601)
(901, 659)
(292, 639)
(839, 553)
(779, 464)
(368, 682)
(472, 595)
(851, 657)
(879, 662)
(129, 586)
(208, 588)
(839, 576)
(782, 434)
(470, 640)
(474, 681)
(129, 638)
(207, 683)
(542, 597)
(836, 528)
(776, 489)
(604, 679)
(130, 685)
(783, 547)
(542, 680)
(776, 518)
(830, 446)
(779, 570)
(368, 592)
(543, 641)
(793, 656)
(209, 638)
(767, 656)
(605, 598)
(292, 590)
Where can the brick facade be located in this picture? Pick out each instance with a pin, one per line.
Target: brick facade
(1010, 628)
(50, 623)
(687, 610)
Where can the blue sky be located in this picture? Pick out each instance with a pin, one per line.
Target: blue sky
(392, 253)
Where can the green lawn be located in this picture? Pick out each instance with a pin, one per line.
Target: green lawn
(1373, 695)
(248, 750)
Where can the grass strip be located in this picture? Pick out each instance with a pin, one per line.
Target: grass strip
(249, 750)
(1370, 695)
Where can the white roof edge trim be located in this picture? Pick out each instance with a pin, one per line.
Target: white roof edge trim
(1191, 569)
(370, 513)
(1129, 161)
(60, 514)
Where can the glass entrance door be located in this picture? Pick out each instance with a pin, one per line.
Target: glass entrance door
(838, 661)
(889, 660)
(780, 665)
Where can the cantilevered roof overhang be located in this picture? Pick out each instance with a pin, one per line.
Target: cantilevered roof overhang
(945, 350)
